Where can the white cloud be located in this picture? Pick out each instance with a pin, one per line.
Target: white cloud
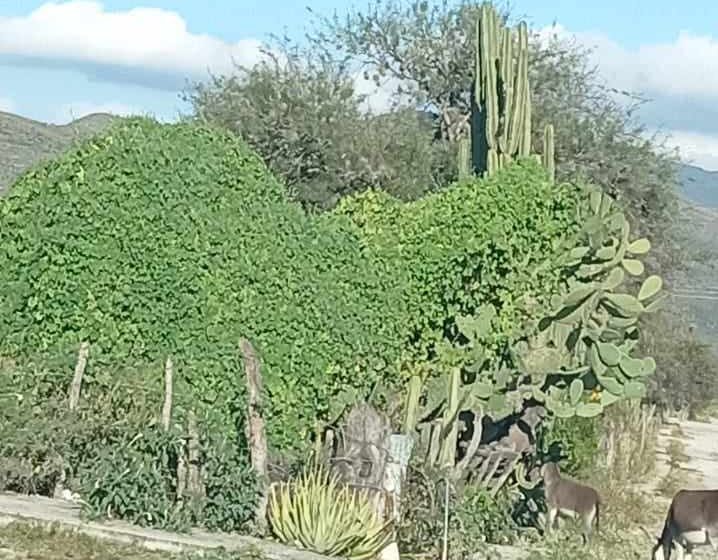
(679, 77)
(7, 104)
(72, 111)
(153, 44)
(686, 66)
(695, 148)
(379, 98)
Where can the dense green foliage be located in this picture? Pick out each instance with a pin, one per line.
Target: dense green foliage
(142, 265)
(156, 240)
(492, 242)
(112, 451)
(575, 442)
(421, 52)
(133, 245)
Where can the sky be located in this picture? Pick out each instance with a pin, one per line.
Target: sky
(63, 59)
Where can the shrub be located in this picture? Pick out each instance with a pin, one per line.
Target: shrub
(156, 240)
(112, 451)
(489, 241)
(483, 518)
(174, 239)
(576, 440)
(685, 378)
(475, 517)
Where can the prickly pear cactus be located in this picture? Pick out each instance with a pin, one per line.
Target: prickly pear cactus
(580, 359)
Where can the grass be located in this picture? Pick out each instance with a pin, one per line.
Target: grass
(20, 541)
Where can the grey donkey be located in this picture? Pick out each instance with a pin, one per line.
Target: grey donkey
(692, 520)
(569, 498)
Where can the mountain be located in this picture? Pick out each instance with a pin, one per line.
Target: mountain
(24, 142)
(699, 186)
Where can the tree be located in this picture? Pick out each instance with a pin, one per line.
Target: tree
(689, 368)
(429, 50)
(302, 114)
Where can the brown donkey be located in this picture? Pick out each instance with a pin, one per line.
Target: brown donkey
(569, 498)
(692, 520)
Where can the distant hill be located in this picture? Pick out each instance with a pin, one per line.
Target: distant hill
(699, 186)
(24, 142)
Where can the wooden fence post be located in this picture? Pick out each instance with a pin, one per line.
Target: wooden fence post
(256, 436)
(73, 402)
(80, 366)
(167, 406)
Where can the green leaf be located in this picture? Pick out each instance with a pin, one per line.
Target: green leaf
(563, 411)
(649, 365)
(579, 295)
(608, 398)
(625, 305)
(610, 384)
(589, 410)
(606, 253)
(481, 390)
(609, 353)
(634, 390)
(614, 279)
(633, 267)
(651, 286)
(639, 247)
(575, 391)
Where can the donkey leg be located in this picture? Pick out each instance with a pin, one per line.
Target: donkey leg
(588, 519)
(712, 538)
(551, 515)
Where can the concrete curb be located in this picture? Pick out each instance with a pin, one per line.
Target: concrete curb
(46, 512)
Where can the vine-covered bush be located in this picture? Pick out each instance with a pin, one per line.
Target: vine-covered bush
(174, 239)
(496, 241)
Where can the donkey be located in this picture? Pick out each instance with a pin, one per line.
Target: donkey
(692, 520)
(569, 498)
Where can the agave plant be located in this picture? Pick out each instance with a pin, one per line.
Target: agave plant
(317, 513)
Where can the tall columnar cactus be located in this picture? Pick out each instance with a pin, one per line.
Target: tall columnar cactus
(501, 104)
(501, 97)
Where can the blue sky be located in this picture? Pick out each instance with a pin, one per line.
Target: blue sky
(67, 58)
